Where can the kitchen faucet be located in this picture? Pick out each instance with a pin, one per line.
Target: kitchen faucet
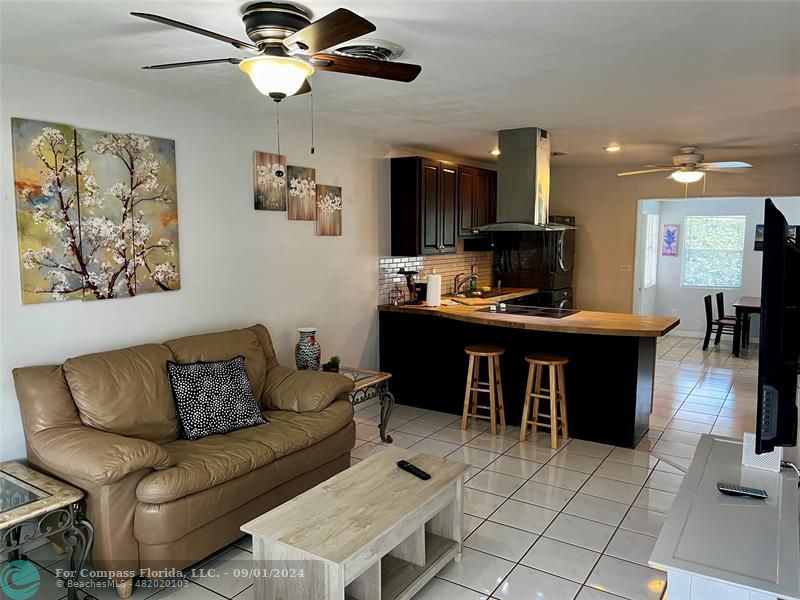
(462, 278)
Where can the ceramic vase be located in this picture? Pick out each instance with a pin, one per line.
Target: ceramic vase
(307, 351)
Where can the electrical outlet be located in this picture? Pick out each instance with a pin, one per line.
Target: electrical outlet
(625, 268)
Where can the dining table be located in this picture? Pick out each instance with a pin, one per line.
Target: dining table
(744, 306)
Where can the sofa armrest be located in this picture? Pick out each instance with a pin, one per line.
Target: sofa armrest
(303, 391)
(94, 455)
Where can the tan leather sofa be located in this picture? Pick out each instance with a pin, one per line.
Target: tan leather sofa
(106, 424)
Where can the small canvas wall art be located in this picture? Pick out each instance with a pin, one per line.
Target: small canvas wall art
(97, 212)
(269, 181)
(302, 201)
(758, 246)
(669, 244)
(759, 242)
(329, 210)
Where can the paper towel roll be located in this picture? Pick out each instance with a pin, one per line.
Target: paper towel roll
(433, 297)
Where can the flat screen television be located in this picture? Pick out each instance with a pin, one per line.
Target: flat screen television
(779, 339)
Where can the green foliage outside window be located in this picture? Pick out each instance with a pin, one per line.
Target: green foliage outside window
(713, 250)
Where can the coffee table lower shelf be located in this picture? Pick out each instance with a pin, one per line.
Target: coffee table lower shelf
(401, 579)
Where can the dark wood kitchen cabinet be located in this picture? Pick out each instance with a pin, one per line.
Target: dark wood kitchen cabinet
(424, 206)
(477, 199)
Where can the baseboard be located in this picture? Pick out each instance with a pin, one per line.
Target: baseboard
(702, 334)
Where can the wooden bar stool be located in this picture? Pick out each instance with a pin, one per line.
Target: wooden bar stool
(556, 394)
(494, 387)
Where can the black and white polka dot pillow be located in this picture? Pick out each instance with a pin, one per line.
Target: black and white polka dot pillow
(213, 397)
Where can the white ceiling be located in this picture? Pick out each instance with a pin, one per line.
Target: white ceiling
(652, 75)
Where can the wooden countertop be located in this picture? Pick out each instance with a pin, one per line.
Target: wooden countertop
(585, 321)
(508, 294)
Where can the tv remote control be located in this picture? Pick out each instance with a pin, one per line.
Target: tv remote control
(416, 471)
(731, 489)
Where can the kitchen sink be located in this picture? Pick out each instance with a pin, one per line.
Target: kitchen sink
(480, 294)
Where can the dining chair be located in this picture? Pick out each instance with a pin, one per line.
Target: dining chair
(723, 325)
(722, 316)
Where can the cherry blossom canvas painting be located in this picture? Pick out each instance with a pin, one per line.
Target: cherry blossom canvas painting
(329, 210)
(302, 200)
(97, 213)
(269, 185)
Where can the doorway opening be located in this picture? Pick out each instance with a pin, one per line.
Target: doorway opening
(688, 248)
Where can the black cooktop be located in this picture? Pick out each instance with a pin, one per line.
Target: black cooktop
(532, 311)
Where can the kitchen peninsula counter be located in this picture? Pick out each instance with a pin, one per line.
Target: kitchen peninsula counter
(609, 377)
(584, 321)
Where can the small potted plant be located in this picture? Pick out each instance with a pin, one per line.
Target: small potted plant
(332, 366)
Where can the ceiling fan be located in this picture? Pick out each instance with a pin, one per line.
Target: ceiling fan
(288, 47)
(689, 166)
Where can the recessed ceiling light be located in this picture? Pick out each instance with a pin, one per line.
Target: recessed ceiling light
(495, 152)
(613, 148)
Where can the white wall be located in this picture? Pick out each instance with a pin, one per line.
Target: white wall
(687, 302)
(238, 266)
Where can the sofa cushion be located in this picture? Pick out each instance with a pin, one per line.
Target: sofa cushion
(213, 460)
(213, 397)
(303, 391)
(125, 392)
(171, 521)
(224, 345)
(202, 464)
(316, 425)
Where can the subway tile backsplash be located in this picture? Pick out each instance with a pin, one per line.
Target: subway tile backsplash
(447, 265)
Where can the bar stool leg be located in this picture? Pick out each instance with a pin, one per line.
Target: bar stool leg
(537, 388)
(467, 393)
(562, 388)
(476, 384)
(500, 406)
(492, 397)
(553, 408)
(523, 432)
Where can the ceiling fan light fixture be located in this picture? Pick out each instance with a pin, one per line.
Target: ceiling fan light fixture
(690, 176)
(495, 152)
(613, 148)
(276, 75)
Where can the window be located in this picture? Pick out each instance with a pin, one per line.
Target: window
(713, 248)
(651, 250)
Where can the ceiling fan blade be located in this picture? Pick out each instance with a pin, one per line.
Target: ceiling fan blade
(339, 26)
(659, 166)
(728, 171)
(625, 173)
(304, 89)
(368, 67)
(729, 164)
(195, 63)
(216, 36)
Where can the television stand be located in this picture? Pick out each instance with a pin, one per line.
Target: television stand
(717, 546)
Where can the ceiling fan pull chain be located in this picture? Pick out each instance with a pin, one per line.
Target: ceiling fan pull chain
(312, 122)
(279, 172)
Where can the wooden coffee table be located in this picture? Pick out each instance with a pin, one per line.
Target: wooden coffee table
(372, 532)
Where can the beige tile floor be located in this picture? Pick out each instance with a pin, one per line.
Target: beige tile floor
(577, 523)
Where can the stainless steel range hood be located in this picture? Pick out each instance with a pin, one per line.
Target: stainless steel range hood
(523, 182)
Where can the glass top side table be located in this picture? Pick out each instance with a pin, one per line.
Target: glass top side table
(34, 506)
(368, 385)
